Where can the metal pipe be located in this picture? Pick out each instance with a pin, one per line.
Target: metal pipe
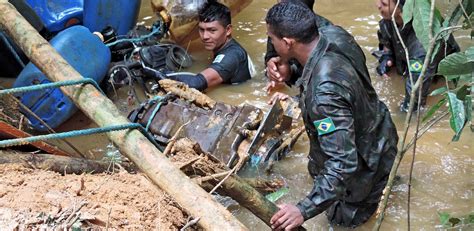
(103, 112)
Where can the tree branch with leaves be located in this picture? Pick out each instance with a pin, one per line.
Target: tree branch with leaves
(457, 68)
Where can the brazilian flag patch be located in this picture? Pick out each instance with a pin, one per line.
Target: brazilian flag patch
(415, 66)
(324, 126)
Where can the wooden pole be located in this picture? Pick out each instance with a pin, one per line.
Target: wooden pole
(100, 109)
(250, 198)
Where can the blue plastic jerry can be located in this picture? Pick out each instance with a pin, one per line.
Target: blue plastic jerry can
(119, 14)
(58, 14)
(86, 53)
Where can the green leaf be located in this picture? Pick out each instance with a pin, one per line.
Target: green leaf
(444, 218)
(459, 78)
(470, 219)
(436, 48)
(458, 115)
(407, 12)
(434, 109)
(468, 106)
(470, 54)
(457, 13)
(462, 92)
(439, 91)
(455, 64)
(274, 196)
(421, 21)
(468, 78)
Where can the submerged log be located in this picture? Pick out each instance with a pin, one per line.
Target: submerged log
(132, 143)
(214, 171)
(59, 164)
(190, 94)
(264, 186)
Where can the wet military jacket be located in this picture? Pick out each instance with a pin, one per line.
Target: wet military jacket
(388, 37)
(353, 140)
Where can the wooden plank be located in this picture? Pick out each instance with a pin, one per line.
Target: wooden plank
(9, 131)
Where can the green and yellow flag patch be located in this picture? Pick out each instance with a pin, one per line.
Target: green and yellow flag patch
(324, 126)
(415, 66)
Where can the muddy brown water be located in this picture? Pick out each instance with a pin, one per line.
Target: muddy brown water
(442, 176)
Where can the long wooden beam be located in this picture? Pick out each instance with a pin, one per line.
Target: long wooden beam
(103, 112)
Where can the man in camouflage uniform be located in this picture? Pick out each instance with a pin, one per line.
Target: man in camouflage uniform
(353, 139)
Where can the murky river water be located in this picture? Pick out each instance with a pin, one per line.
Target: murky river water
(443, 173)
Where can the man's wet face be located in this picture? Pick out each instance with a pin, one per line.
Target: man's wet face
(213, 34)
(386, 8)
(278, 43)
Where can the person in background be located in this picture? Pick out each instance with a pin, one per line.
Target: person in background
(353, 141)
(231, 64)
(392, 54)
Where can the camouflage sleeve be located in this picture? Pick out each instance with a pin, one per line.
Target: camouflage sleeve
(333, 120)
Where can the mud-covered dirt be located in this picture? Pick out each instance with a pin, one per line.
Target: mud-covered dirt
(32, 199)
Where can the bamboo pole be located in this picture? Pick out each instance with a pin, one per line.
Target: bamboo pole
(103, 112)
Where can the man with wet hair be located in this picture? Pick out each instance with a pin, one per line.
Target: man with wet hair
(231, 64)
(287, 70)
(392, 53)
(353, 140)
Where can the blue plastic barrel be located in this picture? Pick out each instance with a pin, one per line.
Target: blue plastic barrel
(83, 51)
(58, 14)
(119, 14)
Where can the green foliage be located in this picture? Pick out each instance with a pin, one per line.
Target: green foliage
(457, 63)
(274, 196)
(457, 68)
(444, 218)
(433, 109)
(448, 221)
(458, 12)
(458, 115)
(408, 11)
(421, 21)
(439, 91)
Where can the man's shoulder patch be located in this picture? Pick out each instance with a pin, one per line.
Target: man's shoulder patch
(218, 58)
(415, 66)
(324, 126)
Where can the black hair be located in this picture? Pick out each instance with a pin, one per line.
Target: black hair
(290, 20)
(402, 3)
(308, 3)
(215, 11)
